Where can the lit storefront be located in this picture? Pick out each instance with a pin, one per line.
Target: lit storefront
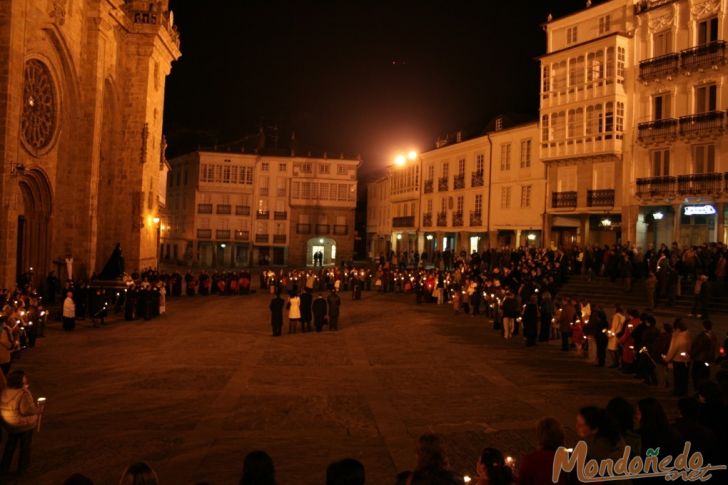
(698, 224)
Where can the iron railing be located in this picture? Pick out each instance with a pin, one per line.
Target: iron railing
(427, 219)
(262, 215)
(600, 198)
(659, 67)
(405, 221)
(706, 55)
(204, 208)
(429, 186)
(242, 210)
(656, 186)
(459, 181)
(664, 129)
(561, 200)
(442, 219)
(700, 183)
(702, 123)
(204, 234)
(476, 219)
(442, 184)
(457, 219)
(476, 179)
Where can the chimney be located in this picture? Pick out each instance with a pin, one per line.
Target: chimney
(293, 143)
(261, 140)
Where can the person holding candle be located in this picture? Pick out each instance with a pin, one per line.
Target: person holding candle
(494, 469)
(679, 356)
(20, 414)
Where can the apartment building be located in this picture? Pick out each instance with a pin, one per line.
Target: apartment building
(236, 209)
(455, 195)
(475, 192)
(678, 182)
(517, 187)
(585, 121)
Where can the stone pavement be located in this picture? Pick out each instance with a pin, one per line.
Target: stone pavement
(194, 391)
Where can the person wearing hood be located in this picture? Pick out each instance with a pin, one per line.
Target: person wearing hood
(20, 414)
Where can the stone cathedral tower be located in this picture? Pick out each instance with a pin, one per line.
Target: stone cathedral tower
(82, 87)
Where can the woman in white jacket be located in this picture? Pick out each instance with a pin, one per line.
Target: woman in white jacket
(294, 312)
(679, 356)
(69, 312)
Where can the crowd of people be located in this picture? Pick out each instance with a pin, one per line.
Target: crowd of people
(606, 431)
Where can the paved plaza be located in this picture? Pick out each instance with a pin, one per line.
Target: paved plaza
(194, 391)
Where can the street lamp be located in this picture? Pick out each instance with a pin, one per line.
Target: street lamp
(412, 155)
(400, 160)
(156, 221)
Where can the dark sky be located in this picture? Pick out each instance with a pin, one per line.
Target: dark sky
(359, 77)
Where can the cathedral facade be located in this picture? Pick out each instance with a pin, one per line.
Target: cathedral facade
(82, 86)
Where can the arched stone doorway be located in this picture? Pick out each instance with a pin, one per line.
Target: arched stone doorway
(33, 238)
(323, 245)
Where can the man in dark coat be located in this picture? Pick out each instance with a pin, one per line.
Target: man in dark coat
(276, 314)
(306, 301)
(334, 302)
(530, 321)
(320, 309)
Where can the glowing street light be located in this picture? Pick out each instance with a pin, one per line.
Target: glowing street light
(658, 216)
(400, 160)
(156, 220)
(412, 155)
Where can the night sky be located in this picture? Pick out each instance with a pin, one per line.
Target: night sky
(358, 77)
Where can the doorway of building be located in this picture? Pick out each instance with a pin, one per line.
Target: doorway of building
(324, 246)
(33, 237)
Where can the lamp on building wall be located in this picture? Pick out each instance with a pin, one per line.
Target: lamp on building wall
(429, 237)
(658, 216)
(531, 237)
(606, 222)
(401, 159)
(399, 236)
(155, 220)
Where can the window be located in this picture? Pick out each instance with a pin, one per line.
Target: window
(341, 169)
(621, 61)
(323, 191)
(576, 123)
(498, 124)
(282, 167)
(525, 153)
(595, 66)
(571, 35)
(660, 162)
(604, 24)
(706, 98)
(307, 167)
(460, 204)
(546, 79)
(609, 118)
(429, 206)
(619, 126)
(461, 166)
(343, 192)
(218, 174)
(708, 31)
(661, 104)
(443, 204)
(226, 172)
(566, 179)
(525, 196)
(324, 168)
(610, 64)
(307, 190)
(661, 43)
(576, 71)
(558, 121)
(430, 172)
(262, 205)
(505, 197)
(505, 156)
(478, 203)
(603, 176)
(445, 169)
(479, 160)
(704, 159)
(265, 166)
(559, 76)
(545, 132)
(594, 120)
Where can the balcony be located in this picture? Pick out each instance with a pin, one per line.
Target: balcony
(204, 234)
(563, 200)
(280, 216)
(476, 179)
(303, 228)
(459, 181)
(281, 192)
(322, 229)
(427, 220)
(656, 186)
(242, 235)
(242, 210)
(600, 198)
(703, 124)
(261, 238)
(222, 234)
(262, 214)
(659, 67)
(224, 209)
(341, 229)
(406, 221)
(658, 130)
(204, 208)
(441, 219)
(476, 219)
(428, 186)
(457, 219)
(279, 239)
(700, 183)
(442, 184)
(263, 191)
(642, 6)
(703, 56)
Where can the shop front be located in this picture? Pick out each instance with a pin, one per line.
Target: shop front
(655, 226)
(605, 230)
(565, 231)
(698, 224)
